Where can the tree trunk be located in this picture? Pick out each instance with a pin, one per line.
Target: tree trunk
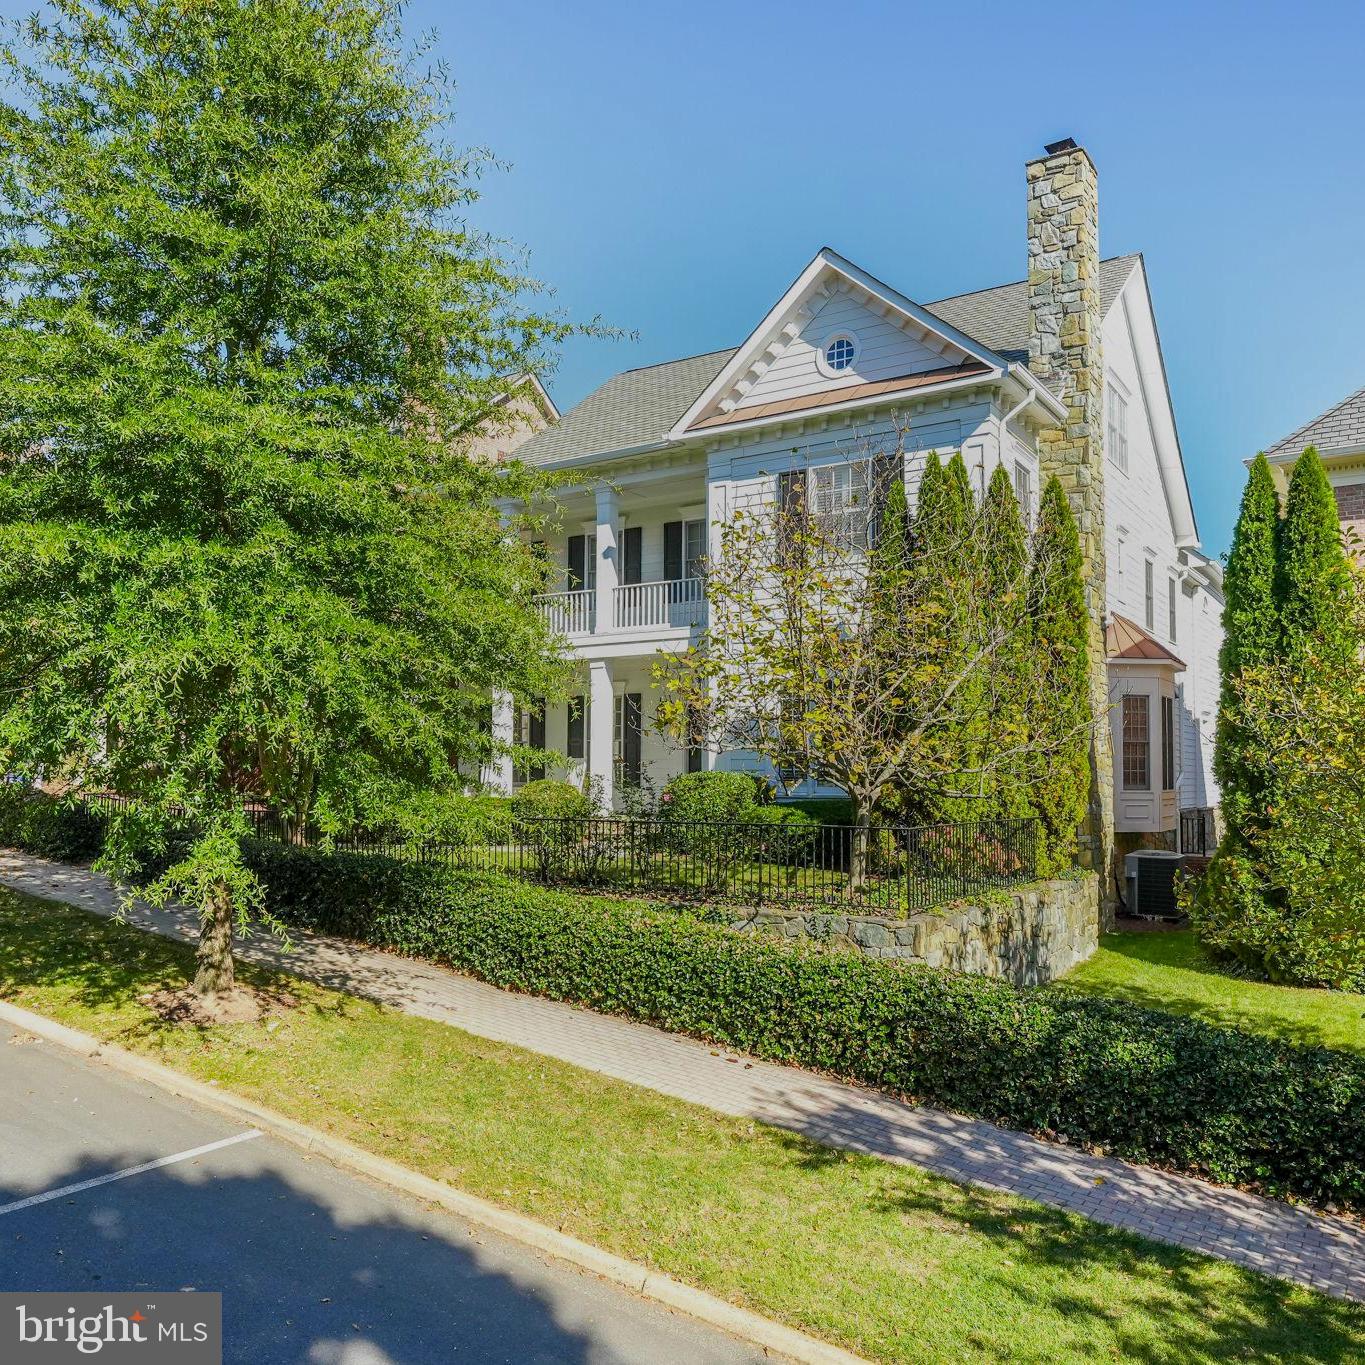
(861, 853)
(214, 973)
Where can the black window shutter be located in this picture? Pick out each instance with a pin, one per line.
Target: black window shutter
(631, 739)
(887, 467)
(537, 738)
(791, 505)
(632, 542)
(673, 550)
(576, 747)
(578, 561)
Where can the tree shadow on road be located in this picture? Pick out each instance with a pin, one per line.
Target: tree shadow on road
(312, 1267)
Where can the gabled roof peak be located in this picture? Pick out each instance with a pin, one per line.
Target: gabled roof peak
(641, 406)
(1340, 428)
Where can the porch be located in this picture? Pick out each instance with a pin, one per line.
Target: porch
(604, 735)
(629, 558)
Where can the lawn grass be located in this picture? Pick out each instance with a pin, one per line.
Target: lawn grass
(889, 1261)
(1171, 971)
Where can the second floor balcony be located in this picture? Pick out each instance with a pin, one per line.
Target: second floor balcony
(664, 605)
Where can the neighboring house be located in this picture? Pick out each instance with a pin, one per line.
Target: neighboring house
(1339, 435)
(1042, 376)
(519, 413)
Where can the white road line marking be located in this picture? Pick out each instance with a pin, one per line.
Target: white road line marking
(132, 1170)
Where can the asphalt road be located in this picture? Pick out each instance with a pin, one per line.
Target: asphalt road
(314, 1264)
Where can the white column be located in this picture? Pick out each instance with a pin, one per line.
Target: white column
(717, 514)
(608, 569)
(497, 772)
(601, 725)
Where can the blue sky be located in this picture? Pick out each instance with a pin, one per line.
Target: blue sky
(672, 167)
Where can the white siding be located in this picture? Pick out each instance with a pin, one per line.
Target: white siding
(1201, 636)
(1138, 527)
(885, 351)
(746, 476)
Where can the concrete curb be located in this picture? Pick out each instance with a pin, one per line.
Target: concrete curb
(650, 1284)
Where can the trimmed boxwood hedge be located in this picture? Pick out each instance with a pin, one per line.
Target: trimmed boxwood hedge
(43, 825)
(1158, 1088)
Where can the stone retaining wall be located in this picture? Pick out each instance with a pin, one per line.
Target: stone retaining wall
(1030, 936)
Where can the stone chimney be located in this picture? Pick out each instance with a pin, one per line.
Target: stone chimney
(1065, 353)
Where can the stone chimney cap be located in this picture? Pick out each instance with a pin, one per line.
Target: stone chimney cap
(1067, 144)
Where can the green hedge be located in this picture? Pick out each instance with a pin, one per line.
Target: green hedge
(1159, 1088)
(1152, 1087)
(828, 810)
(45, 826)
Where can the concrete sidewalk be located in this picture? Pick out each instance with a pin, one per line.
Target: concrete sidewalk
(1324, 1252)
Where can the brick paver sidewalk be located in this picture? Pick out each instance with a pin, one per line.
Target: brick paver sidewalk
(1325, 1252)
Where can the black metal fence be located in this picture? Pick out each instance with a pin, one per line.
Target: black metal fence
(771, 862)
(1198, 834)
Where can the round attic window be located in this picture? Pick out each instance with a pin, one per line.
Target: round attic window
(838, 353)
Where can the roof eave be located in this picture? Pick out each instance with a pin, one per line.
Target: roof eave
(881, 400)
(1325, 453)
(825, 260)
(1124, 661)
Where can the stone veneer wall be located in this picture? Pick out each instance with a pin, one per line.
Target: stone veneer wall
(1065, 352)
(1029, 936)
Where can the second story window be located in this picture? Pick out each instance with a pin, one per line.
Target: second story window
(1116, 435)
(1172, 602)
(1149, 595)
(1023, 490)
(582, 563)
(841, 499)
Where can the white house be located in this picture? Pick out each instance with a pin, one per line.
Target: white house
(1060, 372)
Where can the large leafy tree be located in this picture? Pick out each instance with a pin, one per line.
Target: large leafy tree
(244, 334)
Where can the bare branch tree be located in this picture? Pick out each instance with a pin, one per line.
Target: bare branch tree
(834, 648)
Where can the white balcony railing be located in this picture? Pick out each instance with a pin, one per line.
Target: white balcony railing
(671, 603)
(569, 613)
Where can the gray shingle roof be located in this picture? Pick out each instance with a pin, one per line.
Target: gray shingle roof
(631, 409)
(1339, 428)
(638, 407)
(998, 317)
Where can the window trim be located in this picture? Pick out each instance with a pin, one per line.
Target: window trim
(1116, 430)
(1168, 773)
(1149, 592)
(852, 521)
(1137, 741)
(1172, 607)
(821, 355)
(1024, 496)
